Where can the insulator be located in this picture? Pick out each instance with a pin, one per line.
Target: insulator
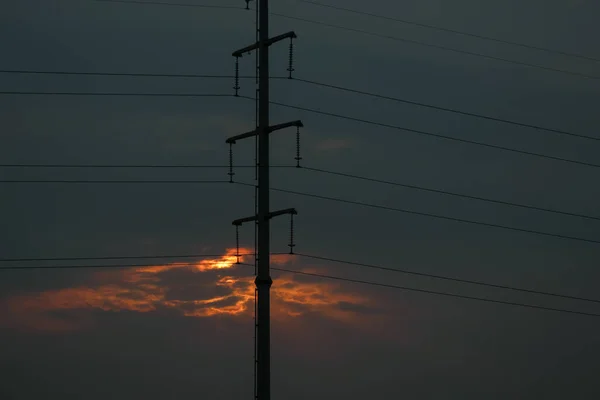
(298, 158)
(291, 245)
(237, 244)
(236, 86)
(291, 58)
(247, 4)
(231, 173)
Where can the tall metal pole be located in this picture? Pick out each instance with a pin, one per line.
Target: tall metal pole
(263, 279)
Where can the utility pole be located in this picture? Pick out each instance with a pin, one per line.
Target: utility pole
(263, 279)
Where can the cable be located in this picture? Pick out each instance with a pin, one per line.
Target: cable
(192, 166)
(466, 196)
(115, 94)
(438, 28)
(171, 4)
(110, 182)
(438, 47)
(315, 83)
(129, 74)
(466, 113)
(444, 217)
(435, 292)
(448, 278)
(437, 135)
(319, 170)
(332, 277)
(415, 42)
(115, 258)
(38, 267)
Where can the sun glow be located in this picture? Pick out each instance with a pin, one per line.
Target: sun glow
(196, 289)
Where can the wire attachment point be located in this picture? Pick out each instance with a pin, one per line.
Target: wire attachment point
(236, 86)
(291, 245)
(298, 158)
(231, 173)
(291, 58)
(237, 244)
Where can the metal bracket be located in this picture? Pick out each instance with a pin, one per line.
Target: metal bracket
(248, 49)
(270, 129)
(273, 214)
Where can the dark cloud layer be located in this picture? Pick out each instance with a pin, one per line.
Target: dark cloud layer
(402, 344)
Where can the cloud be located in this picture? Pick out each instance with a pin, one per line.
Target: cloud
(198, 289)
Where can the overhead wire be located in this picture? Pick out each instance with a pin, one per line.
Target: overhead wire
(449, 193)
(107, 266)
(158, 166)
(141, 166)
(447, 278)
(433, 292)
(431, 134)
(431, 215)
(25, 93)
(455, 31)
(447, 109)
(115, 74)
(321, 84)
(128, 182)
(160, 3)
(439, 47)
(306, 168)
(324, 276)
(120, 257)
(390, 37)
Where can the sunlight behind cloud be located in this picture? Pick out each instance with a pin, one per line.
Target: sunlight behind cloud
(194, 289)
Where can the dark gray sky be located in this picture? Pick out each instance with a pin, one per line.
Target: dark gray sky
(186, 333)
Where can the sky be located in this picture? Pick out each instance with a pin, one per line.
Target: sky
(182, 328)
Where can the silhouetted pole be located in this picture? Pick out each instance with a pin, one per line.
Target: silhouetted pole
(263, 279)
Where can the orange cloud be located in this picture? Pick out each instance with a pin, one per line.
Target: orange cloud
(190, 289)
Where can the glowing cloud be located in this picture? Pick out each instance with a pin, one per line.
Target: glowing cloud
(190, 289)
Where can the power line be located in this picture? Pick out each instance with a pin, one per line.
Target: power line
(424, 214)
(318, 275)
(436, 135)
(466, 196)
(438, 28)
(171, 4)
(448, 278)
(95, 258)
(128, 74)
(110, 266)
(124, 166)
(87, 266)
(439, 47)
(395, 38)
(315, 83)
(466, 113)
(115, 94)
(319, 170)
(86, 182)
(115, 166)
(435, 292)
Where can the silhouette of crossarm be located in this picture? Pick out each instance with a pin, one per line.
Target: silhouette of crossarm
(272, 128)
(273, 214)
(248, 49)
